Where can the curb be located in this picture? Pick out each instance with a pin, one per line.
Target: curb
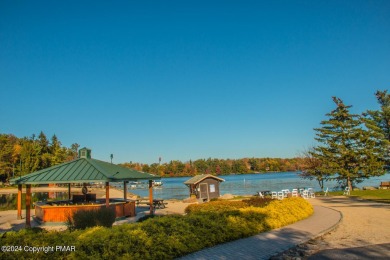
(326, 231)
(330, 229)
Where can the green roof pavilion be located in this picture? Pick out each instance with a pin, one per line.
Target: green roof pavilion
(82, 170)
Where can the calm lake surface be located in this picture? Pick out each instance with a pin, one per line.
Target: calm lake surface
(244, 184)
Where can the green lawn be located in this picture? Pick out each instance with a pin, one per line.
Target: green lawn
(374, 195)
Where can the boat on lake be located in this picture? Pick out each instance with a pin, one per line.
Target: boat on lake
(157, 183)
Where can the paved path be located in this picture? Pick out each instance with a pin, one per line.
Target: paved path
(265, 245)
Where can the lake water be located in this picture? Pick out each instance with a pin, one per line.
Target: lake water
(243, 184)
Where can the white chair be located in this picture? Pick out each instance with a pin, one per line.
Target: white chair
(294, 193)
(311, 193)
(261, 195)
(326, 191)
(305, 194)
(274, 195)
(346, 191)
(280, 195)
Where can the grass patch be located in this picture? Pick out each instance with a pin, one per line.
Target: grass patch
(373, 195)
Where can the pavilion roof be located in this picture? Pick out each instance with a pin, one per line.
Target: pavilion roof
(83, 170)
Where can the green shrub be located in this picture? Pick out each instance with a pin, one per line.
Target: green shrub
(82, 219)
(35, 237)
(215, 206)
(146, 217)
(257, 202)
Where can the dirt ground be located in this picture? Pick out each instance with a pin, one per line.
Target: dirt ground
(365, 224)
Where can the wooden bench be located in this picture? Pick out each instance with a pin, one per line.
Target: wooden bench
(385, 184)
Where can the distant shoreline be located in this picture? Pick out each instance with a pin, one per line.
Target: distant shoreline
(101, 192)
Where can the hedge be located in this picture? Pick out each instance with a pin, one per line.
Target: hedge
(164, 237)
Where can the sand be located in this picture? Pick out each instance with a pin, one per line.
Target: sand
(363, 222)
(361, 234)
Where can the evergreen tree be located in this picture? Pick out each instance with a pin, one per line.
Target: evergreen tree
(346, 150)
(29, 156)
(56, 151)
(7, 167)
(45, 157)
(378, 121)
(43, 142)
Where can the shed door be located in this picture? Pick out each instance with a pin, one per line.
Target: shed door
(204, 191)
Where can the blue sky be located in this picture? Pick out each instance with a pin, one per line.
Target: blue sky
(188, 79)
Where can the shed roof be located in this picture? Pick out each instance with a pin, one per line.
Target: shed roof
(83, 170)
(199, 178)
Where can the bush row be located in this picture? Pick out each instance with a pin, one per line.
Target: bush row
(82, 219)
(165, 237)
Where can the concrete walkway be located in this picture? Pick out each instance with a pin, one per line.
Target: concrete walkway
(265, 245)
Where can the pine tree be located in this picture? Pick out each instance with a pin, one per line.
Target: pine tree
(378, 122)
(347, 150)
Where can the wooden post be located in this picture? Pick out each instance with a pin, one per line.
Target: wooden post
(107, 194)
(125, 191)
(28, 205)
(151, 196)
(69, 195)
(19, 214)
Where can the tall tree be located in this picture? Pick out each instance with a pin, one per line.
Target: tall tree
(43, 142)
(378, 121)
(346, 150)
(7, 168)
(45, 160)
(29, 156)
(56, 151)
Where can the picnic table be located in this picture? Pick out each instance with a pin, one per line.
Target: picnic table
(157, 203)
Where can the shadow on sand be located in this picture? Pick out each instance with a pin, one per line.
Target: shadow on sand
(380, 251)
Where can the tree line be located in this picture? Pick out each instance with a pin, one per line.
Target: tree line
(218, 166)
(20, 156)
(350, 147)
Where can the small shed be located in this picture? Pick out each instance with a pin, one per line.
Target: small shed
(204, 187)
